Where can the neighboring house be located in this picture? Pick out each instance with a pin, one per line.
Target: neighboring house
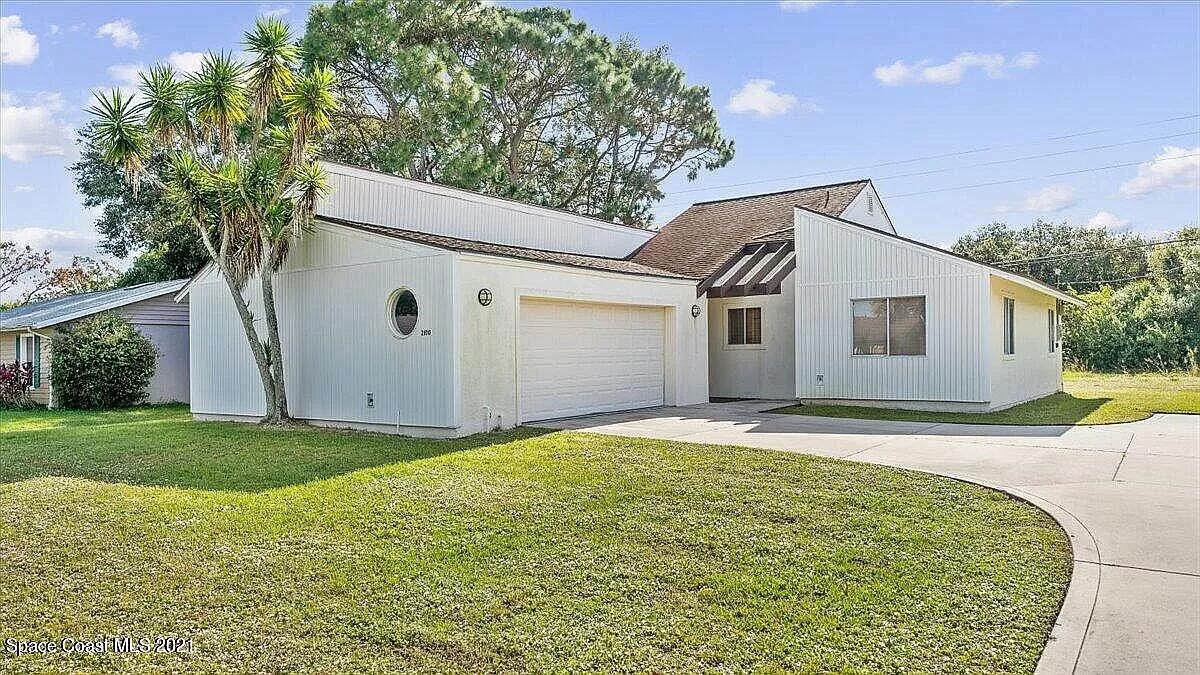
(426, 310)
(27, 334)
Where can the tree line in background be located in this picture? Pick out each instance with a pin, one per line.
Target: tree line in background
(526, 104)
(533, 105)
(1142, 296)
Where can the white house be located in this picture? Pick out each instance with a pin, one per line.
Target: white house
(27, 334)
(425, 310)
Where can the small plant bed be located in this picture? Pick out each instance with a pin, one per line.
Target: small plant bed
(296, 549)
(1087, 398)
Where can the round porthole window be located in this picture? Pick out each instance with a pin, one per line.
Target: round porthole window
(404, 312)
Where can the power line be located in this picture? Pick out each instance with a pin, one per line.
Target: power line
(1039, 156)
(1025, 178)
(1097, 251)
(1113, 281)
(925, 158)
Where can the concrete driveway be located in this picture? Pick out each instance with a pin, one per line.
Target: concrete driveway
(1128, 495)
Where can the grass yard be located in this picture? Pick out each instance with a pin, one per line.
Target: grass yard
(1088, 398)
(321, 550)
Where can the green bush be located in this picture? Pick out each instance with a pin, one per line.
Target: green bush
(101, 362)
(1140, 326)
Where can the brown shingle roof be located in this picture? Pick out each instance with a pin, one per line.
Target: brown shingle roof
(698, 240)
(538, 255)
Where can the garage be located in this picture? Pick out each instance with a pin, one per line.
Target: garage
(576, 358)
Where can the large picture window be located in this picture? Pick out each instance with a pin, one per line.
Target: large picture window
(889, 326)
(744, 326)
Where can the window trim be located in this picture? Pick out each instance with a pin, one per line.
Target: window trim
(1008, 328)
(393, 298)
(887, 327)
(760, 345)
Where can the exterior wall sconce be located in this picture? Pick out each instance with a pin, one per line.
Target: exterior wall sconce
(695, 311)
(485, 297)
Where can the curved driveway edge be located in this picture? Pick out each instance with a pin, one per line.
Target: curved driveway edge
(1127, 495)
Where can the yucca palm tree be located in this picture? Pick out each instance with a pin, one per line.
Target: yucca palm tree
(241, 140)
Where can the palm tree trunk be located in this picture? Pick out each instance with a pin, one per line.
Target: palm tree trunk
(270, 398)
(275, 353)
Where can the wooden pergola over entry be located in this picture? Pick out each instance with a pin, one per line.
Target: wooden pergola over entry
(759, 268)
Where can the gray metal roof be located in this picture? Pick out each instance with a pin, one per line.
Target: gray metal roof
(51, 312)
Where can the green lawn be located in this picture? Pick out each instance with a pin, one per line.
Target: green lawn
(527, 550)
(1088, 398)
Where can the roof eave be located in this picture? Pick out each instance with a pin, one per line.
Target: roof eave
(990, 269)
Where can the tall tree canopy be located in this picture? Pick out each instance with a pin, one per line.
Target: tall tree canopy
(1062, 254)
(135, 223)
(529, 104)
(1142, 306)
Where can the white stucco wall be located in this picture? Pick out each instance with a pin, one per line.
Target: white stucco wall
(1033, 370)
(755, 371)
(489, 334)
(838, 262)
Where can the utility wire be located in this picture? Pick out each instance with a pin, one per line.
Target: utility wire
(925, 158)
(1039, 156)
(1096, 251)
(1025, 178)
(1112, 281)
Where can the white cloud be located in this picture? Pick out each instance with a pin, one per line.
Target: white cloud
(276, 11)
(799, 5)
(31, 128)
(22, 188)
(121, 32)
(126, 74)
(757, 97)
(55, 29)
(1051, 198)
(1173, 167)
(995, 66)
(186, 62)
(63, 244)
(1103, 220)
(18, 47)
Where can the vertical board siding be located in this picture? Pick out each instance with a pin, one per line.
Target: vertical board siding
(837, 263)
(332, 302)
(413, 205)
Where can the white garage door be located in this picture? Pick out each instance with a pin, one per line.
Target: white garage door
(579, 357)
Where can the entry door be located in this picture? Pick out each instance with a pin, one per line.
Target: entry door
(576, 358)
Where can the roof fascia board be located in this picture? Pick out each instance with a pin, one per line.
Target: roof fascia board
(982, 267)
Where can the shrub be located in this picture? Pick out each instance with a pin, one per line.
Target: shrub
(101, 362)
(1141, 326)
(15, 380)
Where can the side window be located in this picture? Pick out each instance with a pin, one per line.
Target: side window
(743, 326)
(1010, 307)
(888, 326)
(1050, 330)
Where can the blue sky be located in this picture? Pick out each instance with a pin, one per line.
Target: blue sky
(810, 92)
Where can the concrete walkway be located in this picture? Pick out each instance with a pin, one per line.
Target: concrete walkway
(1128, 495)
